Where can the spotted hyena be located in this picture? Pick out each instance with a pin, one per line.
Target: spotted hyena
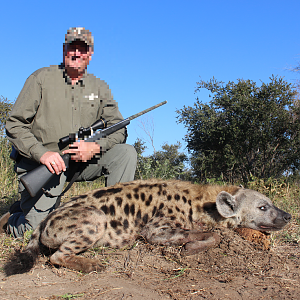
(163, 212)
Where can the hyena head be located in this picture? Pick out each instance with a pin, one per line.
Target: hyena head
(251, 209)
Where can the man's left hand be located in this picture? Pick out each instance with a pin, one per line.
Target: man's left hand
(82, 151)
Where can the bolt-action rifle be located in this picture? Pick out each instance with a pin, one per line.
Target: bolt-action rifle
(36, 179)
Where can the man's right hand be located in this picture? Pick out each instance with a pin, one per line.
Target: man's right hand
(54, 162)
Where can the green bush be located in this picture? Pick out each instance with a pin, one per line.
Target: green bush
(167, 163)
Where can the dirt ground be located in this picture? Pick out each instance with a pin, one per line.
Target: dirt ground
(236, 269)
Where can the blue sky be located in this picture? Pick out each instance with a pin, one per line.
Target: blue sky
(151, 51)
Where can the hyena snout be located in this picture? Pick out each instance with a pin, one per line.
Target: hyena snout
(281, 219)
(286, 217)
(272, 219)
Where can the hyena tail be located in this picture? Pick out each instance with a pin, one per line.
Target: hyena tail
(21, 262)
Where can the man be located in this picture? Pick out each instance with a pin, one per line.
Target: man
(54, 102)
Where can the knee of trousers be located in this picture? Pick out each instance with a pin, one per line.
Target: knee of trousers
(127, 152)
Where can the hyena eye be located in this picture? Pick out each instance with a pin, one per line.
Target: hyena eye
(263, 208)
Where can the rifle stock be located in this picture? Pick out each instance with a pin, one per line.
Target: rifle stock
(36, 179)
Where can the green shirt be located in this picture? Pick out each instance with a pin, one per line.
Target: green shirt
(50, 107)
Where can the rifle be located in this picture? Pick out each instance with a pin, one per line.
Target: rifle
(36, 179)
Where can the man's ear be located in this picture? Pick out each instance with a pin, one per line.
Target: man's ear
(91, 53)
(226, 205)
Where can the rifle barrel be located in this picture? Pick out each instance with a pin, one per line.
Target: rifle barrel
(146, 110)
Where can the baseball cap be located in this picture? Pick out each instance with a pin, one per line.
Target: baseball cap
(81, 34)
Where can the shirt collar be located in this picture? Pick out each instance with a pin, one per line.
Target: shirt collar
(68, 80)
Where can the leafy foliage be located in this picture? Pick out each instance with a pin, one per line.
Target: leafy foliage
(167, 163)
(8, 177)
(244, 131)
(5, 108)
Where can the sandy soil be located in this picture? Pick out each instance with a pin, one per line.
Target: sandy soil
(236, 269)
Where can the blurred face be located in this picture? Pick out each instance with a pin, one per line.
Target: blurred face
(77, 56)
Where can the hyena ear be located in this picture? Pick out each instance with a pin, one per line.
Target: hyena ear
(226, 205)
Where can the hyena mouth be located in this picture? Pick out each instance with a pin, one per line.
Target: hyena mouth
(269, 228)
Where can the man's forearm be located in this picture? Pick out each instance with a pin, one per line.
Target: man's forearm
(23, 140)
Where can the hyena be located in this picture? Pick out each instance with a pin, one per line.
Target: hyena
(162, 212)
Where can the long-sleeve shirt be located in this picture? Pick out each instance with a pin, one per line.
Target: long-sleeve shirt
(50, 107)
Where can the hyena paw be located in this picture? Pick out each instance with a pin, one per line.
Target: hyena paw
(200, 242)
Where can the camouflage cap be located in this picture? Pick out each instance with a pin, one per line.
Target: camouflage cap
(81, 34)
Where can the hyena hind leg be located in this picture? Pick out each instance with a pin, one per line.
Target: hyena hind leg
(85, 237)
(76, 262)
(193, 241)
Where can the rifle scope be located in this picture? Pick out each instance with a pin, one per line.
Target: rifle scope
(82, 133)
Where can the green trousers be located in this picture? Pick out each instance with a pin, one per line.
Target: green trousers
(117, 165)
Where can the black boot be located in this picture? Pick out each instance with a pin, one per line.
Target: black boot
(15, 207)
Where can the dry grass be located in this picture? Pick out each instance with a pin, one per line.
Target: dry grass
(83, 187)
(8, 179)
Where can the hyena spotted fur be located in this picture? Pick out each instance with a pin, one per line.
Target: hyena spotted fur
(163, 212)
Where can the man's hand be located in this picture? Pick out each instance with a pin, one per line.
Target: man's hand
(82, 151)
(54, 162)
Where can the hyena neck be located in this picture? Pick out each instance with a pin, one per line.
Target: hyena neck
(204, 206)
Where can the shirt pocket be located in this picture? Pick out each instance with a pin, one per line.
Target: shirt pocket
(88, 113)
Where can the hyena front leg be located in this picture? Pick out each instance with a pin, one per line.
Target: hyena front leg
(193, 241)
(75, 238)
(198, 241)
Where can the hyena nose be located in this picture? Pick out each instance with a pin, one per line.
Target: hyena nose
(287, 217)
